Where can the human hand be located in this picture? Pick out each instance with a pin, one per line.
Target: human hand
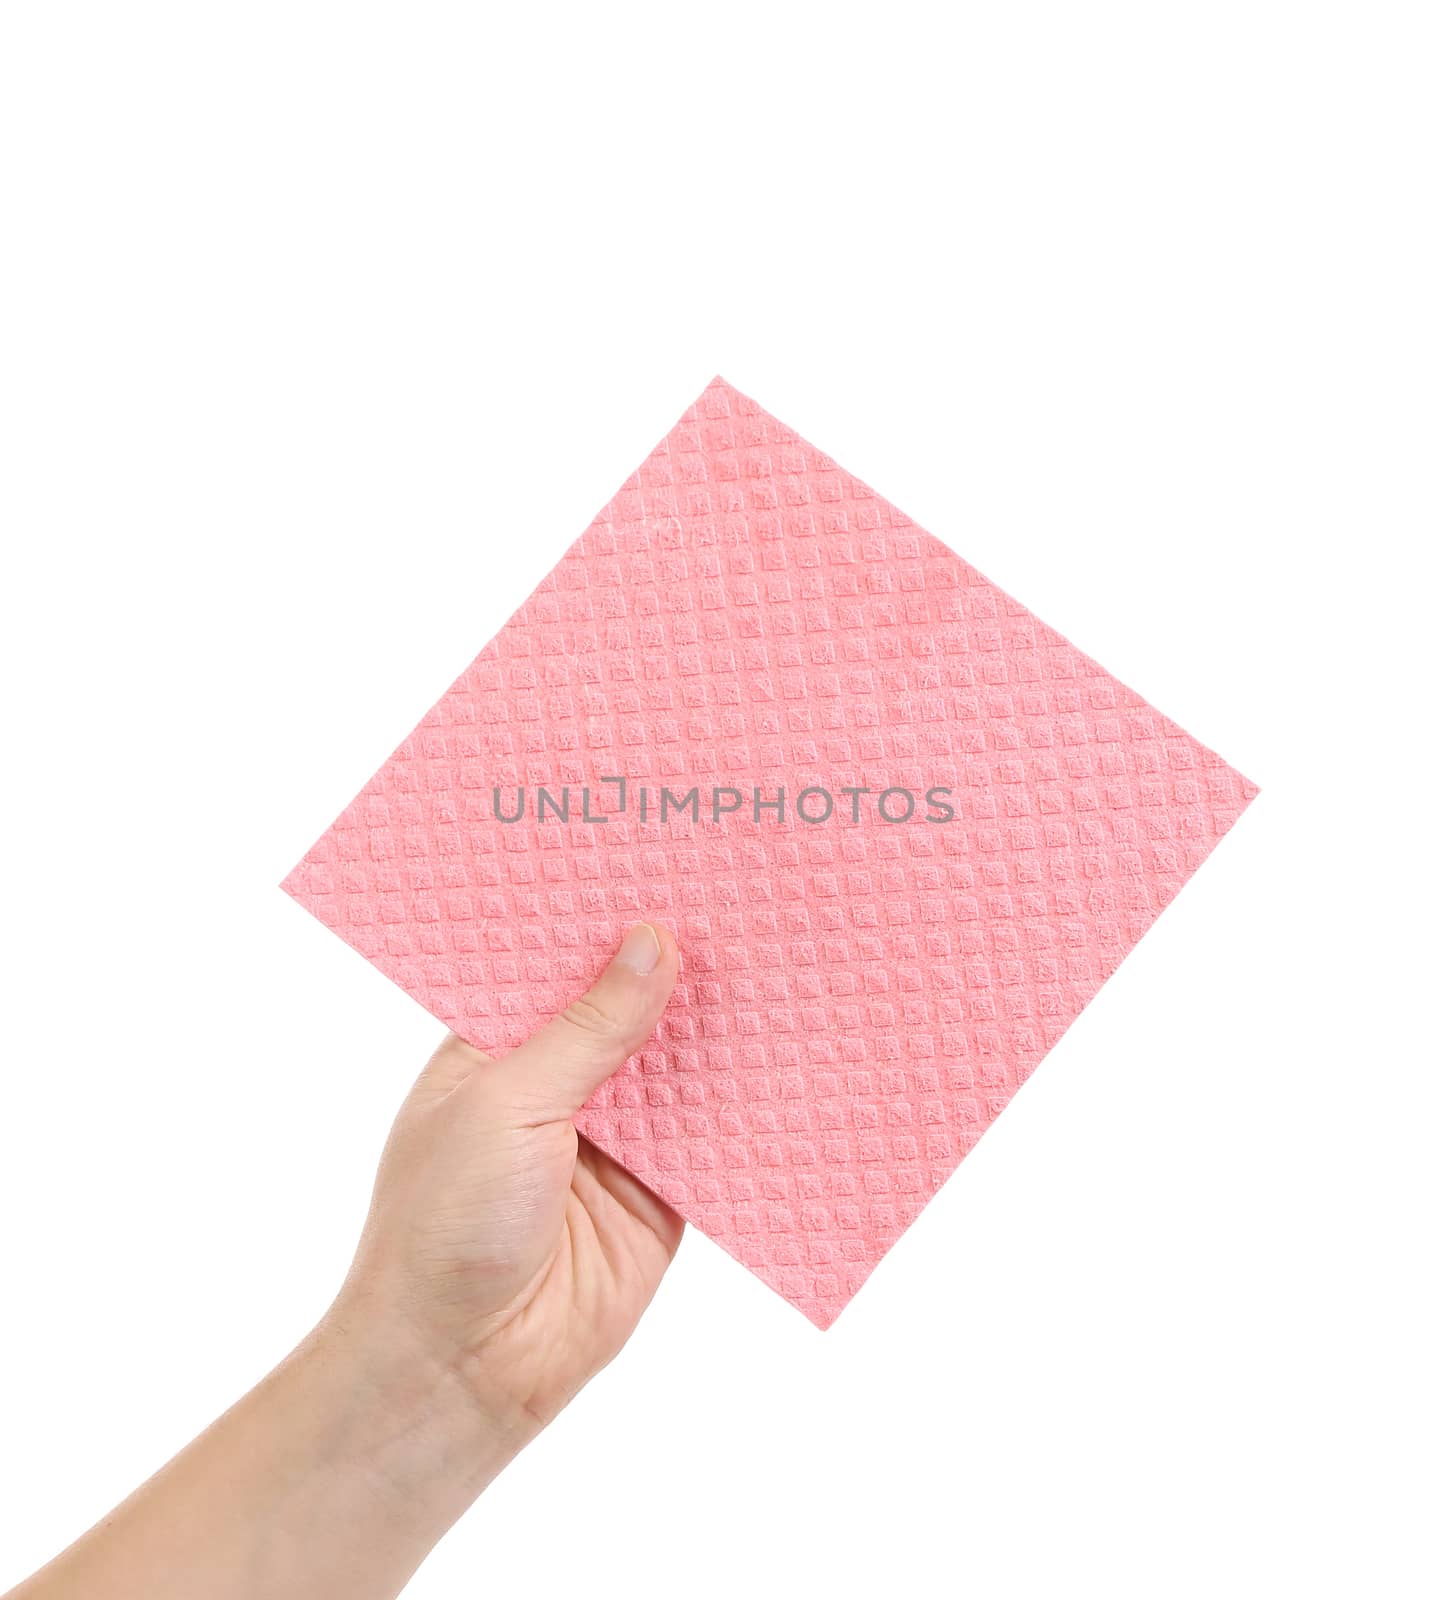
(503, 1263)
(500, 1246)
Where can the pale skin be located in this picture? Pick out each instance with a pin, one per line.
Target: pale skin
(505, 1261)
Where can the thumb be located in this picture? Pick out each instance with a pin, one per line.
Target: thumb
(561, 1065)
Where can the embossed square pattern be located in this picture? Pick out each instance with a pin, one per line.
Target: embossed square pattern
(862, 991)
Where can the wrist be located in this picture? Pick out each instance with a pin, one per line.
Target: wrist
(435, 1438)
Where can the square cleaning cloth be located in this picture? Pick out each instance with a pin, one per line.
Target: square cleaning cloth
(864, 986)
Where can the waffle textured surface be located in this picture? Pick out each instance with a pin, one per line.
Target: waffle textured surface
(863, 988)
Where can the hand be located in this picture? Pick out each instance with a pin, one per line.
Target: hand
(504, 1262)
(500, 1245)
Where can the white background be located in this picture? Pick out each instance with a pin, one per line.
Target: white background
(325, 328)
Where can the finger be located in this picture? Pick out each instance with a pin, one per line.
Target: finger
(560, 1066)
(639, 1201)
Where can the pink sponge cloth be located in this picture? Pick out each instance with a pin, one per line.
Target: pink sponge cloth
(862, 991)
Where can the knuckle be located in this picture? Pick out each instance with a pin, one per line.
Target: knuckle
(453, 1061)
(457, 1050)
(592, 1019)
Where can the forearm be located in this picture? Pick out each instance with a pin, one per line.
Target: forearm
(335, 1475)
